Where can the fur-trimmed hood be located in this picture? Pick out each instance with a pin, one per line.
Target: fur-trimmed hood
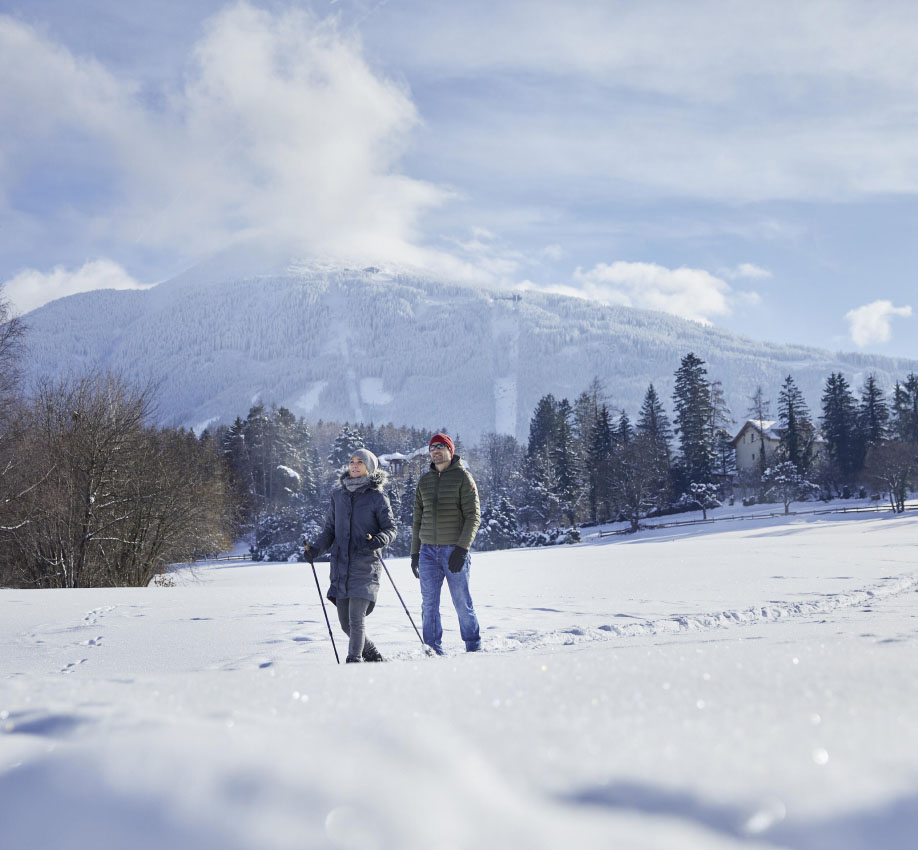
(377, 481)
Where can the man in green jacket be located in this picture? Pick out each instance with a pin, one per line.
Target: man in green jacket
(446, 518)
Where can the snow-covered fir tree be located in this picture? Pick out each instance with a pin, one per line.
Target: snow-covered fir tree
(349, 439)
(841, 429)
(597, 462)
(499, 529)
(568, 483)
(785, 482)
(904, 423)
(760, 411)
(654, 424)
(873, 413)
(694, 419)
(704, 496)
(798, 433)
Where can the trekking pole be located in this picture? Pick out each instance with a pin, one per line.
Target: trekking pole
(324, 609)
(427, 649)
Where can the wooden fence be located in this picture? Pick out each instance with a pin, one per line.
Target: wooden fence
(840, 510)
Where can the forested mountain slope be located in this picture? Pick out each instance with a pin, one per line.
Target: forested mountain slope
(365, 345)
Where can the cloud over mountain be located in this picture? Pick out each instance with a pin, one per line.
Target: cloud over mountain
(280, 134)
(872, 323)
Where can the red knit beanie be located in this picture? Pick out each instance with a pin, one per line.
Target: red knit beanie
(443, 438)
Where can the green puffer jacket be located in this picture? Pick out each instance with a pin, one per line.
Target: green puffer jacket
(446, 509)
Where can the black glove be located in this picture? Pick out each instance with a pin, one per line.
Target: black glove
(307, 552)
(415, 563)
(373, 542)
(457, 559)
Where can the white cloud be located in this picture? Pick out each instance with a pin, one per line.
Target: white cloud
(673, 48)
(483, 259)
(31, 288)
(746, 271)
(672, 98)
(281, 133)
(690, 293)
(553, 252)
(871, 323)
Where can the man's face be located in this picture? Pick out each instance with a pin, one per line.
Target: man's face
(439, 453)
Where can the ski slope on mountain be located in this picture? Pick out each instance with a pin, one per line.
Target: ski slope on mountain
(362, 345)
(744, 684)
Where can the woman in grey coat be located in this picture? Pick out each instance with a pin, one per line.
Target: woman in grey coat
(359, 524)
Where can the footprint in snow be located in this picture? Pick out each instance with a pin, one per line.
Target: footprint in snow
(93, 616)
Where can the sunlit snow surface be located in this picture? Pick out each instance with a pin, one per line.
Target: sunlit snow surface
(749, 684)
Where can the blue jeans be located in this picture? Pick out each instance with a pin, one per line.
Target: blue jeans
(433, 568)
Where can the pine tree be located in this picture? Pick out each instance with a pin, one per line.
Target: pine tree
(501, 460)
(624, 431)
(258, 448)
(798, 433)
(724, 454)
(786, 482)
(721, 427)
(498, 526)
(273, 464)
(840, 427)
(349, 439)
(694, 417)
(705, 496)
(565, 462)
(905, 409)
(586, 409)
(289, 451)
(598, 457)
(760, 411)
(654, 424)
(543, 426)
(540, 506)
(900, 412)
(873, 413)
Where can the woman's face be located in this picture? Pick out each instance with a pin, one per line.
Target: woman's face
(357, 467)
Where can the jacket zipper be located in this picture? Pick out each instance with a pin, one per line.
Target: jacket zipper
(350, 536)
(436, 506)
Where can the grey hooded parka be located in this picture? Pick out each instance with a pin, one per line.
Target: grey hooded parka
(355, 561)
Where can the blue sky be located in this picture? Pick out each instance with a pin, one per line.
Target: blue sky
(754, 166)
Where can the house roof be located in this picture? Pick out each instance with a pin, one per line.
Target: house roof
(769, 428)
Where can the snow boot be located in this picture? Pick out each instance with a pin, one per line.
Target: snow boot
(371, 653)
(353, 659)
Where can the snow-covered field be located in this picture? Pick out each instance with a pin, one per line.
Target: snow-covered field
(745, 684)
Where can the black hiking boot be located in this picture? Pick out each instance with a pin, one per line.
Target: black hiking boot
(371, 653)
(353, 659)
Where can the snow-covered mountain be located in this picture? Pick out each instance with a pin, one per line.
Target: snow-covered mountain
(368, 345)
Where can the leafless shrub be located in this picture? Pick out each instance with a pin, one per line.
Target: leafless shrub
(104, 499)
(892, 467)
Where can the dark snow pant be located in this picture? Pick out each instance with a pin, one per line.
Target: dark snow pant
(352, 614)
